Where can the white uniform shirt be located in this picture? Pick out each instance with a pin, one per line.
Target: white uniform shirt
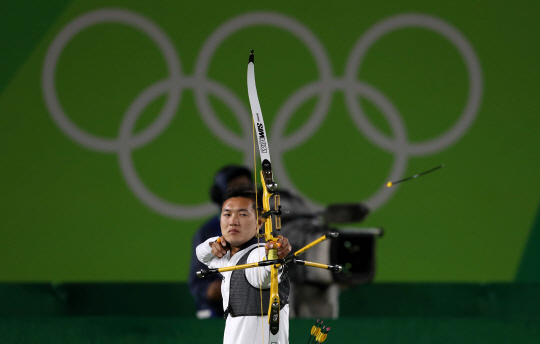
(245, 329)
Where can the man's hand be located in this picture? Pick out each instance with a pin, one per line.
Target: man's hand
(284, 248)
(219, 247)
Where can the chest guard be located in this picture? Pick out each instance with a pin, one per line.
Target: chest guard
(245, 299)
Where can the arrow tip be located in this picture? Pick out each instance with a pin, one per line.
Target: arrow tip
(251, 57)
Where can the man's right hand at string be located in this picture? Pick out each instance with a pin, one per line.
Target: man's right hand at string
(219, 247)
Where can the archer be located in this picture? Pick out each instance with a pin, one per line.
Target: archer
(241, 289)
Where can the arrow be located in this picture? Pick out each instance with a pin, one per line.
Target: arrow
(389, 184)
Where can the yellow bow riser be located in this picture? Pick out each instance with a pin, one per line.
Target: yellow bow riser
(273, 307)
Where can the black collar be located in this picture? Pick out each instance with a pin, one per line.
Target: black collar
(252, 241)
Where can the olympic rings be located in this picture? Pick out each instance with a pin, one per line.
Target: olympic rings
(324, 88)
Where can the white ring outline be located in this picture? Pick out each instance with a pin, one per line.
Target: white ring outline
(124, 154)
(49, 71)
(242, 22)
(471, 61)
(388, 110)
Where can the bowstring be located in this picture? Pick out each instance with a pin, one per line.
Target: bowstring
(257, 226)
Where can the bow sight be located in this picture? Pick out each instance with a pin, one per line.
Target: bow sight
(276, 212)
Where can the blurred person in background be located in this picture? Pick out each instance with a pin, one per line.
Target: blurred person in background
(207, 291)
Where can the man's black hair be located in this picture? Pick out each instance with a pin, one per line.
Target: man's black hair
(243, 192)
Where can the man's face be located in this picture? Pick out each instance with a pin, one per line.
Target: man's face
(238, 221)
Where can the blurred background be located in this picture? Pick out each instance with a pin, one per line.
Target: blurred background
(116, 115)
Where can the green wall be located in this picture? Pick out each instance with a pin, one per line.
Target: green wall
(99, 185)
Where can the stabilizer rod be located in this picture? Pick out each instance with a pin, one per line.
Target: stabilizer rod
(332, 234)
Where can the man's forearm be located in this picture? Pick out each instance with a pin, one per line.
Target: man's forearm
(204, 252)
